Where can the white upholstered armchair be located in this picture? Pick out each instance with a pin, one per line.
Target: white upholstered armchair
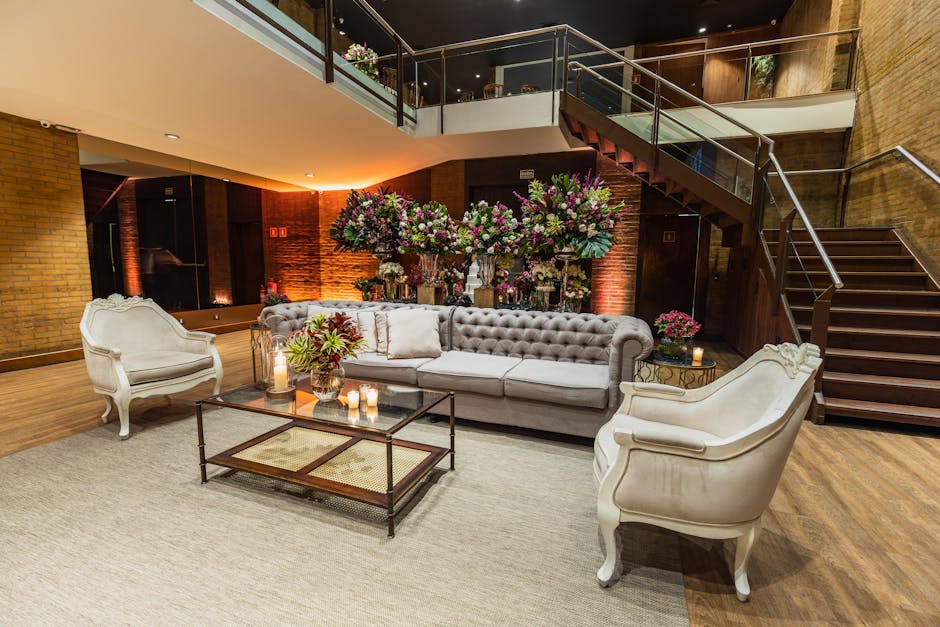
(704, 462)
(135, 349)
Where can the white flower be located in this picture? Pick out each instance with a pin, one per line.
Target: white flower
(563, 205)
(592, 232)
(490, 250)
(422, 226)
(486, 236)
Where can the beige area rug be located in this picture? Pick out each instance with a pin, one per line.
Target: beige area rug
(98, 531)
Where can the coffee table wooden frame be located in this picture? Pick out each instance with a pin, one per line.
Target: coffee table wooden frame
(388, 499)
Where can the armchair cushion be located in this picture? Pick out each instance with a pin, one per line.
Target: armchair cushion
(564, 383)
(467, 372)
(150, 366)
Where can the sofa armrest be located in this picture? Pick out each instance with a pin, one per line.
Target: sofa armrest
(632, 340)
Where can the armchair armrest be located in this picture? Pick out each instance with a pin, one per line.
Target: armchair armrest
(102, 351)
(650, 389)
(661, 438)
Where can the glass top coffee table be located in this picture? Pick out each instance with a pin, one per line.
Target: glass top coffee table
(328, 446)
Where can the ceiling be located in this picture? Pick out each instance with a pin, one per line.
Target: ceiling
(617, 23)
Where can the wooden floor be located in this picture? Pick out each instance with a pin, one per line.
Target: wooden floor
(852, 535)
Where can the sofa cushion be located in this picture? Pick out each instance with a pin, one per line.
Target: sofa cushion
(564, 383)
(150, 366)
(413, 333)
(467, 372)
(378, 366)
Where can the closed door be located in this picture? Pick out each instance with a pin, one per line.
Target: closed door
(669, 245)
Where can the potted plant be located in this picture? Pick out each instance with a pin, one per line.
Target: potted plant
(677, 330)
(364, 58)
(428, 231)
(319, 348)
(274, 298)
(488, 231)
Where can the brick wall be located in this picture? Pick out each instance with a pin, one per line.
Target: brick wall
(818, 193)
(43, 245)
(806, 67)
(613, 277)
(898, 73)
(130, 238)
(293, 261)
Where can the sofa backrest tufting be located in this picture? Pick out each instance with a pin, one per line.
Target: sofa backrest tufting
(295, 314)
(582, 338)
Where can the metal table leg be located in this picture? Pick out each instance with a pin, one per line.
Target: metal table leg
(390, 493)
(202, 442)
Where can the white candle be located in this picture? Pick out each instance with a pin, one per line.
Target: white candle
(352, 399)
(372, 397)
(697, 354)
(364, 391)
(280, 372)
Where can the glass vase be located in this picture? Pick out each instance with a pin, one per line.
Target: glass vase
(391, 288)
(674, 347)
(328, 384)
(487, 265)
(428, 264)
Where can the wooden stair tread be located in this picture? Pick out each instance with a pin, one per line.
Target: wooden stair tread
(872, 409)
(858, 290)
(878, 311)
(858, 273)
(878, 379)
(870, 331)
(870, 355)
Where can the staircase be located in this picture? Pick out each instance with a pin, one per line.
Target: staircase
(883, 356)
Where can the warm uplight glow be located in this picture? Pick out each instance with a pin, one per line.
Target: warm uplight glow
(222, 297)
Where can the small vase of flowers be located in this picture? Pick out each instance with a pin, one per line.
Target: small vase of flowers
(364, 58)
(389, 272)
(677, 330)
(319, 348)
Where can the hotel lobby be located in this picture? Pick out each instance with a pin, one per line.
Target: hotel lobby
(471, 312)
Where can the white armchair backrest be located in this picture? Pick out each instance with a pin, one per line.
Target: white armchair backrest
(130, 325)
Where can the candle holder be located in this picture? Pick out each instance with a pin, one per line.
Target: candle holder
(279, 384)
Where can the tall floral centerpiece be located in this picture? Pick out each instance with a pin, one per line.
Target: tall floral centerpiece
(489, 231)
(677, 330)
(369, 221)
(428, 231)
(319, 348)
(571, 217)
(364, 58)
(390, 272)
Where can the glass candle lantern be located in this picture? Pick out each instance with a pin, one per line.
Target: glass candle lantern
(280, 383)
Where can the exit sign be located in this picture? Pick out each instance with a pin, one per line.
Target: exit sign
(526, 175)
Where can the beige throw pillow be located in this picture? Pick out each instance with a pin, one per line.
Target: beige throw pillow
(368, 331)
(413, 333)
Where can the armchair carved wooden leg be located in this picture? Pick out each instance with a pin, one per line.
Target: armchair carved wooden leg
(123, 402)
(107, 409)
(608, 521)
(742, 555)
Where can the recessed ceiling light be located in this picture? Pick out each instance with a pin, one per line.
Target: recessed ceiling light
(171, 136)
(342, 32)
(227, 180)
(702, 29)
(478, 76)
(458, 90)
(728, 26)
(425, 83)
(309, 175)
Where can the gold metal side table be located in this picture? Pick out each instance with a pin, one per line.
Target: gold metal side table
(657, 368)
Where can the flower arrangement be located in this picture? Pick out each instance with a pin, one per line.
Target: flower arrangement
(570, 214)
(425, 228)
(368, 220)
(543, 271)
(364, 58)
(390, 271)
(323, 343)
(577, 287)
(676, 325)
(524, 283)
(366, 284)
(489, 229)
(451, 275)
(414, 277)
(274, 298)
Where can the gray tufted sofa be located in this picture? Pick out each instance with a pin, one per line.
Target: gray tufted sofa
(556, 372)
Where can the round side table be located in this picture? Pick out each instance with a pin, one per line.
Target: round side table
(657, 368)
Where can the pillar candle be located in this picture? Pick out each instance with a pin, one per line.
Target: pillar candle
(352, 398)
(280, 372)
(372, 397)
(697, 354)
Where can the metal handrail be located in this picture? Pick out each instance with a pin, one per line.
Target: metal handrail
(627, 92)
(436, 50)
(746, 46)
(385, 25)
(901, 150)
(833, 274)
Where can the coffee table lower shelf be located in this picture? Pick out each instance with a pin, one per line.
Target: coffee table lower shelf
(371, 469)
